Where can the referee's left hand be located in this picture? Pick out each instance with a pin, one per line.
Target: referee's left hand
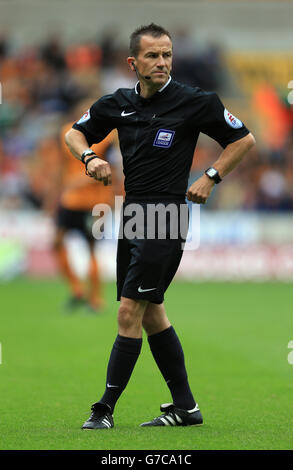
(200, 190)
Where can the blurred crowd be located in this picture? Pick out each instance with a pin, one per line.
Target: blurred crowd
(46, 86)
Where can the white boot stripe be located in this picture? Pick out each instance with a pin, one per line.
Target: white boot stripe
(179, 420)
(171, 420)
(106, 422)
(166, 422)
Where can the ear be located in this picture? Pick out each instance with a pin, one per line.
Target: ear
(130, 61)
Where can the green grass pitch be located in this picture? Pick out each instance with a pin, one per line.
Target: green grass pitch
(235, 338)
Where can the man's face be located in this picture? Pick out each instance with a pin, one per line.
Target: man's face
(155, 58)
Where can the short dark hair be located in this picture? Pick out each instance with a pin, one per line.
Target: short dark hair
(152, 30)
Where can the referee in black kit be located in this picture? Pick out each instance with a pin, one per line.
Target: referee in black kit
(158, 123)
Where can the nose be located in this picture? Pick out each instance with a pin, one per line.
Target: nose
(161, 62)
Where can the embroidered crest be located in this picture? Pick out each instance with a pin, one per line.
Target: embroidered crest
(164, 138)
(231, 120)
(85, 117)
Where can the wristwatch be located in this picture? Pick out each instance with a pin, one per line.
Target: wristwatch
(213, 174)
(86, 153)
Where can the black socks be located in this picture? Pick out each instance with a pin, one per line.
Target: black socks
(121, 364)
(169, 356)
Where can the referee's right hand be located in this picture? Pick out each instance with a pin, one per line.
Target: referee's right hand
(100, 170)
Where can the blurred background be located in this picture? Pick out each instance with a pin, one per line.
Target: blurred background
(58, 56)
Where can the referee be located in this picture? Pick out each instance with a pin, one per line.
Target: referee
(158, 124)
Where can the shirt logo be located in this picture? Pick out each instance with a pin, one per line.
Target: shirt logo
(85, 117)
(127, 114)
(231, 120)
(164, 138)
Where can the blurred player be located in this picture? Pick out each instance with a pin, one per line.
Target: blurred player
(78, 197)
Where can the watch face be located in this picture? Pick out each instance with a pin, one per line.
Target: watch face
(211, 172)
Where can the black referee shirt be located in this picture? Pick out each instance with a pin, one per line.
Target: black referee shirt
(158, 135)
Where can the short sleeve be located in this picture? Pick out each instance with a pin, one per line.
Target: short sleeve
(97, 122)
(220, 124)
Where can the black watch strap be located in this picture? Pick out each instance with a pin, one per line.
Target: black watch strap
(87, 153)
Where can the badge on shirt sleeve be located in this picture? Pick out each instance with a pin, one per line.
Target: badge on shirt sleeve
(163, 138)
(85, 117)
(231, 120)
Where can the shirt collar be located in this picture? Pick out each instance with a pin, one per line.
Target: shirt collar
(159, 91)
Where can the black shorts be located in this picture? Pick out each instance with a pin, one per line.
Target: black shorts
(147, 263)
(81, 221)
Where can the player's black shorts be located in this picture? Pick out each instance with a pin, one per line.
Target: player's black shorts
(147, 263)
(81, 221)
